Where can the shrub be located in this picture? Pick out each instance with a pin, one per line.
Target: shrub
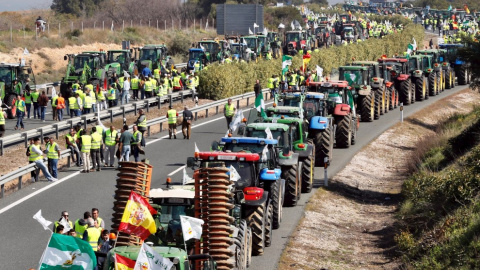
(73, 33)
(179, 44)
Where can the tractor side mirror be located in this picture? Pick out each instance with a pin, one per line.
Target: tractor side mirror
(215, 146)
(191, 162)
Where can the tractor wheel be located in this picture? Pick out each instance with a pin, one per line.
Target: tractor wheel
(420, 88)
(378, 105)
(440, 81)
(249, 244)
(414, 93)
(462, 76)
(323, 146)
(432, 84)
(268, 226)
(393, 96)
(257, 221)
(367, 110)
(10, 101)
(291, 177)
(276, 192)
(387, 101)
(355, 124)
(405, 92)
(307, 174)
(241, 245)
(449, 80)
(343, 136)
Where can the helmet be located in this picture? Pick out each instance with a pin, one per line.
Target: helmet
(112, 236)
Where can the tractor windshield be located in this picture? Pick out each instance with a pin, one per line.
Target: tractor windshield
(244, 147)
(116, 57)
(412, 64)
(197, 55)
(348, 31)
(172, 212)
(293, 101)
(6, 75)
(295, 37)
(278, 134)
(320, 30)
(353, 77)
(207, 46)
(251, 43)
(148, 54)
(235, 49)
(80, 61)
(426, 62)
(310, 106)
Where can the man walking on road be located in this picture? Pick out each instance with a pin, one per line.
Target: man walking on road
(125, 144)
(125, 91)
(42, 103)
(112, 96)
(86, 144)
(53, 153)
(142, 125)
(71, 139)
(36, 109)
(187, 123)
(110, 139)
(172, 122)
(20, 105)
(229, 112)
(60, 102)
(257, 88)
(137, 138)
(95, 149)
(36, 156)
(28, 102)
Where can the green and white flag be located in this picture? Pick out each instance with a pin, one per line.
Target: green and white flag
(68, 252)
(286, 62)
(148, 259)
(260, 105)
(411, 47)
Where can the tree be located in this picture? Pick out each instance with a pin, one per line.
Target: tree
(471, 54)
(75, 7)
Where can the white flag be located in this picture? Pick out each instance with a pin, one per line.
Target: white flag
(250, 31)
(264, 153)
(25, 52)
(66, 225)
(237, 119)
(186, 178)
(265, 31)
(206, 25)
(149, 259)
(111, 29)
(54, 92)
(125, 74)
(196, 149)
(292, 25)
(191, 227)
(269, 133)
(234, 175)
(255, 25)
(281, 26)
(319, 72)
(45, 223)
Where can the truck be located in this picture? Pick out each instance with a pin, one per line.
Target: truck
(8, 74)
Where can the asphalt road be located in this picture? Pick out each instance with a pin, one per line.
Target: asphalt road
(23, 239)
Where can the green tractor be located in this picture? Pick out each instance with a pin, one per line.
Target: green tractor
(153, 57)
(438, 58)
(253, 44)
(359, 78)
(119, 61)
(415, 68)
(8, 74)
(212, 48)
(87, 67)
(430, 74)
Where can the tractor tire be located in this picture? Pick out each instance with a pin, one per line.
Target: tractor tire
(405, 92)
(249, 244)
(268, 226)
(343, 136)
(307, 174)
(355, 124)
(397, 99)
(392, 97)
(257, 221)
(323, 146)
(432, 84)
(241, 246)
(291, 177)
(440, 81)
(367, 110)
(387, 101)
(276, 197)
(414, 93)
(462, 76)
(449, 79)
(10, 101)
(378, 105)
(420, 89)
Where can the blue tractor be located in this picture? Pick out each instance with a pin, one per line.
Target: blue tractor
(196, 59)
(461, 68)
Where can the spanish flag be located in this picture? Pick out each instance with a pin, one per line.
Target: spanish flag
(137, 218)
(466, 9)
(306, 59)
(123, 263)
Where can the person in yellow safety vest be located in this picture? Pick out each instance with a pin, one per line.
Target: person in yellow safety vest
(154, 85)
(36, 108)
(137, 139)
(88, 86)
(28, 101)
(197, 80)
(148, 88)
(95, 151)
(112, 96)
(87, 103)
(191, 83)
(63, 216)
(76, 86)
(177, 83)
(81, 225)
(102, 100)
(160, 89)
(164, 89)
(141, 123)
(53, 153)
(135, 81)
(110, 139)
(36, 155)
(99, 223)
(17, 87)
(72, 105)
(229, 112)
(54, 108)
(91, 234)
(20, 111)
(156, 74)
(269, 55)
(228, 60)
(293, 80)
(3, 115)
(172, 122)
(85, 146)
(120, 82)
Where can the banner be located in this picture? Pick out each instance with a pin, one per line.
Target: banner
(137, 218)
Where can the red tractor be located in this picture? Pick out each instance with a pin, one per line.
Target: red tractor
(399, 75)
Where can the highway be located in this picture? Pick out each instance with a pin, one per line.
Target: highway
(23, 238)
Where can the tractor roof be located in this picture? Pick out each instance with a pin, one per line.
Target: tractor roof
(353, 68)
(155, 45)
(195, 50)
(118, 51)
(271, 126)
(9, 64)
(94, 52)
(248, 140)
(428, 51)
(286, 120)
(132, 252)
(249, 37)
(284, 109)
(228, 156)
(450, 45)
(366, 63)
(397, 60)
(330, 84)
(314, 95)
(185, 192)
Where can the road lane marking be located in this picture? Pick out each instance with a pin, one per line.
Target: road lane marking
(177, 170)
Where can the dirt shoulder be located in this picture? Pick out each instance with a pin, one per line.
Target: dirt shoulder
(351, 225)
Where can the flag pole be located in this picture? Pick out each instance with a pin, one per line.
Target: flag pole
(116, 239)
(43, 255)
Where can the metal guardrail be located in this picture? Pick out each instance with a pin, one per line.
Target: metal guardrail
(23, 137)
(20, 172)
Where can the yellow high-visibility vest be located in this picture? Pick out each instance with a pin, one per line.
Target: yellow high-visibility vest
(229, 110)
(110, 137)
(86, 143)
(51, 153)
(172, 116)
(96, 141)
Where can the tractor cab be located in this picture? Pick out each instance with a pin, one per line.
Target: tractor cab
(119, 61)
(315, 104)
(291, 99)
(238, 51)
(356, 76)
(212, 49)
(253, 44)
(196, 59)
(373, 70)
(279, 132)
(284, 111)
(336, 92)
(152, 56)
(8, 74)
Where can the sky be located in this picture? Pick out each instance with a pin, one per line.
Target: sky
(14, 5)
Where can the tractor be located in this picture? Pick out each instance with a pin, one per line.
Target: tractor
(87, 67)
(196, 59)
(295, 41)
(8, 74)
(269, 168)
(325, 37)
(400, 75)
(153, 57)
(392, 99)
(239, 51)
(430, 76)
(415, 68)
(253, 45)
(340, 108)
(119, 61)
(439, 84)
(460, 68)
(212, 48)
(360, 78)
